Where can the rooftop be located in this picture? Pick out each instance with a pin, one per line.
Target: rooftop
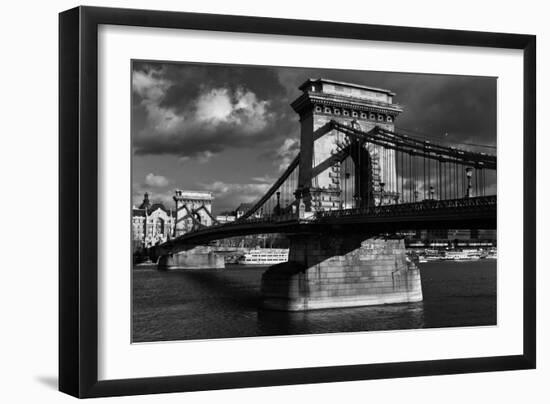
(243, 207)
(201, 195)
(151, 209)
(321, 81)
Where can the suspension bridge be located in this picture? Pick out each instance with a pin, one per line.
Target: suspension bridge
(356, 181)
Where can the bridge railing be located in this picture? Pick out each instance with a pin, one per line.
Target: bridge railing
(250, 221)
(415, 207)
(383, 210)
(463, 207)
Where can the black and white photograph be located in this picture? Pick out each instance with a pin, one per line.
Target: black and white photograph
(272, 201)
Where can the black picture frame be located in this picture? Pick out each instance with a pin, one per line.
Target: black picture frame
(78, 206)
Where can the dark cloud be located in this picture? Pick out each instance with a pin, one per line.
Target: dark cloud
(167, 115)
(464, 107)
(190, 79)
(455, 108)
(201, 140)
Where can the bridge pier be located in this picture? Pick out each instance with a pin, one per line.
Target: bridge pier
(194, 258)
(341, 271)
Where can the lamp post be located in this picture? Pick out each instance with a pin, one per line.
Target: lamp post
(469, 171)
(431, 193)
(382, 185)
(346, 176)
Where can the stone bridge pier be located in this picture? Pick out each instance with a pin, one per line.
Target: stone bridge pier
(200, 257)
(341, 271)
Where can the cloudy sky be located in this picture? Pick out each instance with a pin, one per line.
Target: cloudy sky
(230, 129)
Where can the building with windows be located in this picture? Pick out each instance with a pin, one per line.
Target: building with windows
(245, 207)
(151, 224)
(451, 238)
(226, 217)
(242, 209)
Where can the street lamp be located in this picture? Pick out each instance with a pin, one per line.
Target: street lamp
(396, 198)
(346, 176)
(382, 185)
(431, 193)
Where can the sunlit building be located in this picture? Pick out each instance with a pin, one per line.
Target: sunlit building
(224, 218)
(151, 223)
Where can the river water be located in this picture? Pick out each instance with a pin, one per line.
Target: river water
(223, 303)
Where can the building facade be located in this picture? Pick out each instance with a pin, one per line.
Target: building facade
(242, 209)
(439, 238)
(151, 224)
(225, 218)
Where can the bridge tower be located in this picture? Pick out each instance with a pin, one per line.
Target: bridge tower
(192, 208)
(320, 181)
(344, 269)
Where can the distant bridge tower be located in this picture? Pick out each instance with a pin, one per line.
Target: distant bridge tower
(321, 180)
(193, 209)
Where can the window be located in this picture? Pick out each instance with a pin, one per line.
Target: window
(389, 118)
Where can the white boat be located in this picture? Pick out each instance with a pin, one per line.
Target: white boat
(464, 255)
(264, 256)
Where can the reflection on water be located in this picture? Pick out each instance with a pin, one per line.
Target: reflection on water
(341, 320)
(223, 303)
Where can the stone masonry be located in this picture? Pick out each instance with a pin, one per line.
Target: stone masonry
(335, 271)
(195, 258)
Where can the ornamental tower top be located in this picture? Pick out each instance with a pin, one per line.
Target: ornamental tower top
(347, 100)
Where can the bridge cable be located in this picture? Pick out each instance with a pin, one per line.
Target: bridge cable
(412, 179)
(445, 180)
(424, 136)
(477, 182)
(456, 180)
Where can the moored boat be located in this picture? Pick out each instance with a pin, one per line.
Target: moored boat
(264, 256)
(463, 255)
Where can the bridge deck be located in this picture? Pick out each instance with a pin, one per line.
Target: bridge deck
(477, 212)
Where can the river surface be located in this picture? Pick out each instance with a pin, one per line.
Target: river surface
(223, 303)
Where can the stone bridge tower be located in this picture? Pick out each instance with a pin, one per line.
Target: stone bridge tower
(320, 180)
(193, 208)
(342, 269)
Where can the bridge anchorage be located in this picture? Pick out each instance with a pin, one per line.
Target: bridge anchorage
(356, 182)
